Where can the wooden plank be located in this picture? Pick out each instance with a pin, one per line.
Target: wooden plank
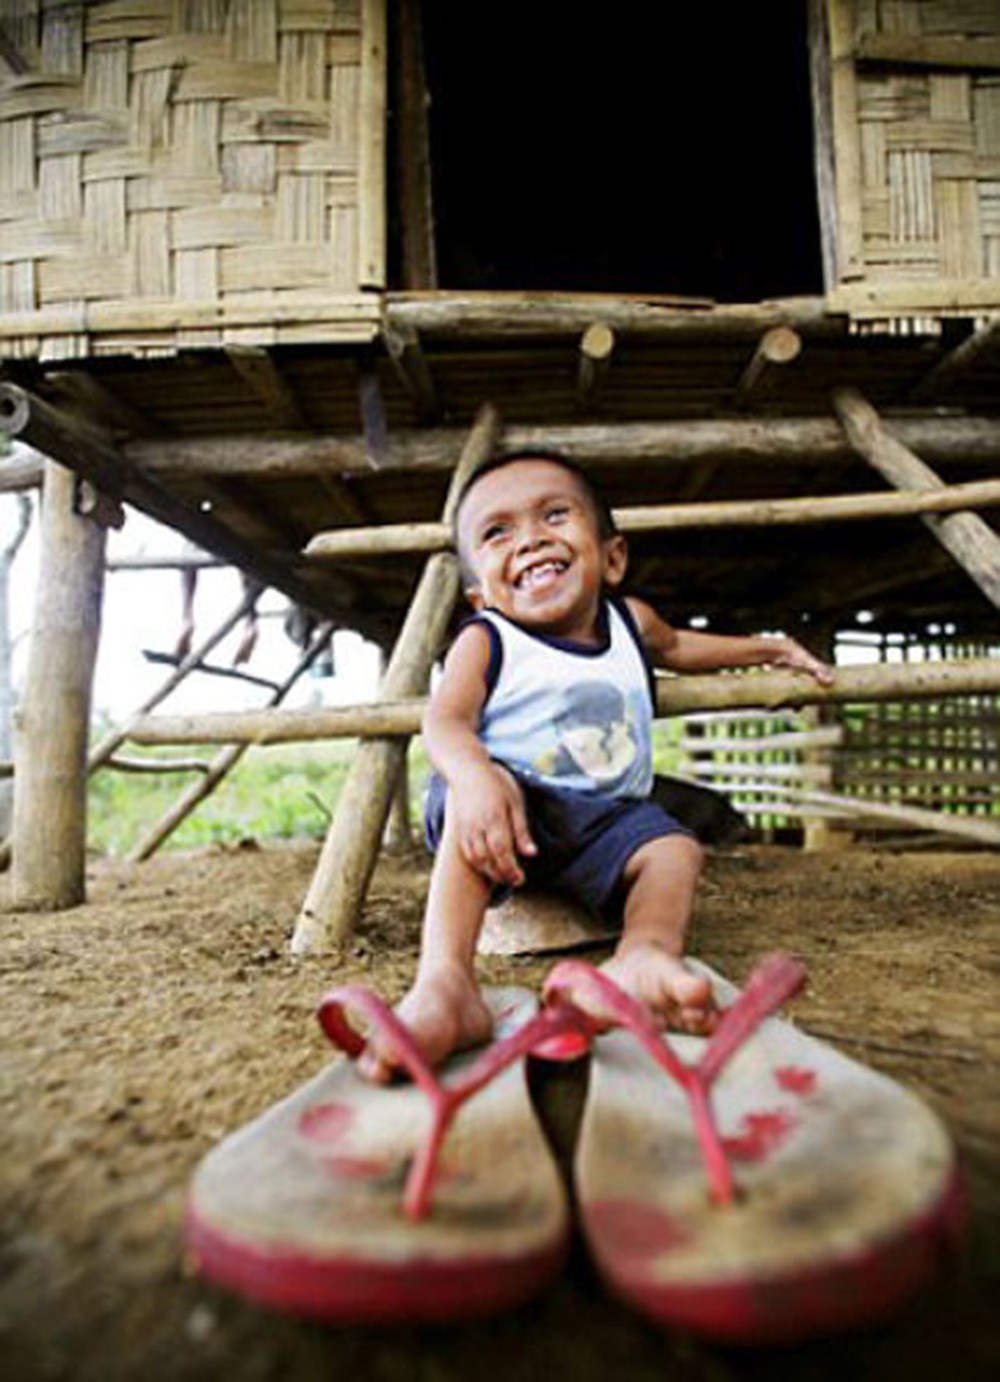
(258, 369)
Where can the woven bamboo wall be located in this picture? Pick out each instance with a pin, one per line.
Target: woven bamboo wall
(916, 135)
(178, 173)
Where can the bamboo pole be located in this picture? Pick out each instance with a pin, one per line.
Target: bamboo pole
(674, 696)
(799, 443)
(350, 543)
(51, 725)
(340, 883)
(915, 817)
(596, 346)
(966, 536)
(224, 762)
(778, 346)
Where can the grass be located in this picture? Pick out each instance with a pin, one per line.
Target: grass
(278, 793)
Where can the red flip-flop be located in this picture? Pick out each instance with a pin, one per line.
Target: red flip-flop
(769, 1189)
(352, 1202)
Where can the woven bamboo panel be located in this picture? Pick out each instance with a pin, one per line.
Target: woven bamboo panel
(180, 173)
(918, 89)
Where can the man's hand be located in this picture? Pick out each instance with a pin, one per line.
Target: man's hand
(491, 825)
(788, 653)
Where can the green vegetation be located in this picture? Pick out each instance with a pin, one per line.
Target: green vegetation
(284, 792)
(280, 793)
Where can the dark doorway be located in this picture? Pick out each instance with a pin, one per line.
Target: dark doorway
(638, 149)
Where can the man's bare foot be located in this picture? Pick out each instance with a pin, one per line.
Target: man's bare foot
(445, 1012)
(661, 982)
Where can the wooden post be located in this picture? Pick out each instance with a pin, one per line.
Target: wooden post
(51, 726)
(224, 762)
(398, 835)
(338, 888)
(966, 536)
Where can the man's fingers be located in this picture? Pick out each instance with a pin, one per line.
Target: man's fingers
(522, 835)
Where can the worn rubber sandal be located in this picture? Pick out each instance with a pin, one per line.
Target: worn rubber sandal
(769, 1189)
(348, 1202)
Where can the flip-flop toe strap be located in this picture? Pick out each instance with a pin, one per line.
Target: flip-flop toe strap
(444, 1100)
(773, 980)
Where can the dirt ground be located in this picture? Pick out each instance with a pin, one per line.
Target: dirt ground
(140, 1028)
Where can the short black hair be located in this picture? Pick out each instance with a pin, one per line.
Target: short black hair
(606, 525)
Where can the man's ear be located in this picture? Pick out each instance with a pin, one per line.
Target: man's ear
(475, 597)
(615, 560)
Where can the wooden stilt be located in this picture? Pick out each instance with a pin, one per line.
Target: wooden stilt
(398, 835)
(338, 888)
(223, 763)
(7, 554)
(966, 536)
(51, 727)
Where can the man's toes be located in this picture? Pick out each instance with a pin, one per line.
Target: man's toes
(374, 1066)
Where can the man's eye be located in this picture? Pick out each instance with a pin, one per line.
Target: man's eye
(495, 530)
(557, 512)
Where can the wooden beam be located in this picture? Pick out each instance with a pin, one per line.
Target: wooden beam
(469, 316)
(778, 346)
(413, 151)
(351, 543)
(596, 347)
(958, 362)
(53, 720)
(771, 691)
(966, 536)
(340, 883)
(257, 368)
(799, 443)
(406, 354)
(97, 459)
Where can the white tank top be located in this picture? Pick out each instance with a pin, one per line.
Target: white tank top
(571, 716)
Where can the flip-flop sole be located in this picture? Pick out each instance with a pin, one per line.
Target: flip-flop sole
(848, 1189)
(302, 1209)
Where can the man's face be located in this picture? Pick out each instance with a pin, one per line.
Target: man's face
(529, 534)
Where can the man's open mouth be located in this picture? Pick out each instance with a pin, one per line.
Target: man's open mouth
(539, 574)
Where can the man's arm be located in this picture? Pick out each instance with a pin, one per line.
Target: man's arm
(486, 802)
(688, 650)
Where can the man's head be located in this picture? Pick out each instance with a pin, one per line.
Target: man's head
(536, 539)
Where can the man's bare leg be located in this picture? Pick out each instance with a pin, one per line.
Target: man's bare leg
(444, 1008)
(661, 878)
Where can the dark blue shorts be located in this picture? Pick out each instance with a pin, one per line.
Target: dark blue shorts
(583, 842)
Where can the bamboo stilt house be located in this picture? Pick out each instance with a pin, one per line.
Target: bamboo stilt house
(261, 261)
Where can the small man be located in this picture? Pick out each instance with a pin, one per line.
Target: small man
(540, 734)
